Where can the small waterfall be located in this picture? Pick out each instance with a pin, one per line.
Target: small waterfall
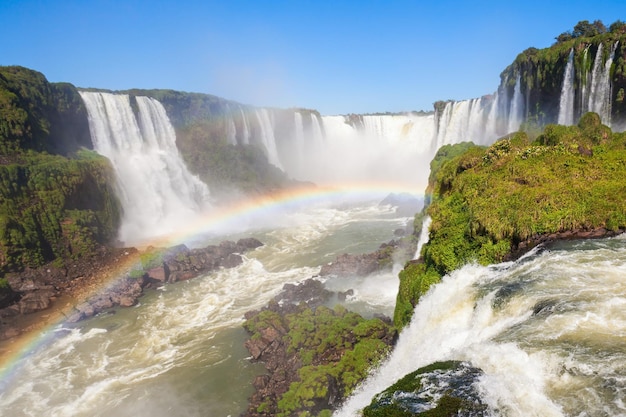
(468, 120)
(566, 105)
(516, 113)
(157, 191)
(267, 137)
(317, 134)
(299, 133)
(423, 239)
(245, 136)
(599, 100)
(231, 128)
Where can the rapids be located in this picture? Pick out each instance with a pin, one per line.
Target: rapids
(549, 332)
(180, 352)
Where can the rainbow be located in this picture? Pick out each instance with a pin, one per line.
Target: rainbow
(270, 204)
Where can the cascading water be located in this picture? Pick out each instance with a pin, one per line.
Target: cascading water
(423, 239)
(267, 136)
(599, 99)
(516, 113)
(245, 137)
(548, 331)
(566, 104)
(158, 193)
(476, 120)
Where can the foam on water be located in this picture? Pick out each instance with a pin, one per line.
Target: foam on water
(548, 331)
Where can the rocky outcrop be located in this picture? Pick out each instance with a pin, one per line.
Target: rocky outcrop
(349, 265)
(34, 290)
(296, 335)
(160, 266)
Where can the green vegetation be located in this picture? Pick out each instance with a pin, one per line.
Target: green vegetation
(337, 348)
(487, 201)
(222, 165)
(55, 207)
(39, 116)
(56, 197)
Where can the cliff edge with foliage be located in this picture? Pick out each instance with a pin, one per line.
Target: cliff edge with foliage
(56, 196)
(491, 204)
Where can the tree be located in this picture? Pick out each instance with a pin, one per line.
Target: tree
(586, 29)
(618, 27)
(564, 37)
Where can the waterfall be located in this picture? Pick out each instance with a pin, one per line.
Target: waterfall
(317, 135)
(231, 132)
(423, 239)
(566, 104)
(299, 133)
(516, 113)
(533, 330)
(157, 192)
(599, 99)
(468, 120)
(267, 137)
(245, 138)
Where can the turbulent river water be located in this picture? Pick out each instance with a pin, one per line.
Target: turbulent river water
(548, 331)
(180, 351)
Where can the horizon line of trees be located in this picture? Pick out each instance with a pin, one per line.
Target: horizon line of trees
(586, 29)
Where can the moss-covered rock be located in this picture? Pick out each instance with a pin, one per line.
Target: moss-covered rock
(490, 202)
(315, 356)
(440, 389)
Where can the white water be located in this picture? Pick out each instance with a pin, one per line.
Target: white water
(180, 352)
(476, 121)
(566, 104)
(267, 136)
(423, 238)
(599, 99)
(516, 113)
(549, 332)
(157, 191)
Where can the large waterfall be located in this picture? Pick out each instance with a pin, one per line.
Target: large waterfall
(158, 193)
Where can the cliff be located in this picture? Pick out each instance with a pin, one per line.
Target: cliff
(598, 62)
(489, 204)
(57, 199)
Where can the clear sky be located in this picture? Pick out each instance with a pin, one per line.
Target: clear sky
(334, 56)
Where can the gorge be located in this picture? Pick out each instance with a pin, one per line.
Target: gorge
(197, 167)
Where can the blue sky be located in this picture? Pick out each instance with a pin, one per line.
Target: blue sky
(334, 56)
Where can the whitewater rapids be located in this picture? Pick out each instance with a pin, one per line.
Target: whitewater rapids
(549, 332)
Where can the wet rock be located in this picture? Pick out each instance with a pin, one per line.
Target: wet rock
(347, 265)
(166, 265)
(36, 300)
(310, 292)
